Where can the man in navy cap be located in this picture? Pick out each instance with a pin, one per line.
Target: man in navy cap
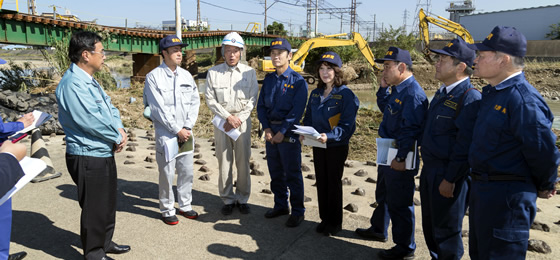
(445, 147)
(173, 98)
(280, 105)
(513, 154)
(403, 109)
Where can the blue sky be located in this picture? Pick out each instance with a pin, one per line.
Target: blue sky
(237, 14)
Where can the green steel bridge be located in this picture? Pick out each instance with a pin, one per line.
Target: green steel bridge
(143, 44)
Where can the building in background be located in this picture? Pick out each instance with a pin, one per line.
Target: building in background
(533, 22)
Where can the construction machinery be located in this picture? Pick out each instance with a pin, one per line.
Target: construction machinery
(425, 20)
(298, 57)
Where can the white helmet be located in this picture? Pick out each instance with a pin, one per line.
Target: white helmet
(233, 39)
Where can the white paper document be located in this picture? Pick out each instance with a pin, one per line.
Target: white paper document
(31, 168)
(40, 118)
(173, 149)
(219, 122)
(310, 135)
(387, 151)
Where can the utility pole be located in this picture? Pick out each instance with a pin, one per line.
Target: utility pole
(198, 24)
(265, 9)
(405, 15)
(32, 9)
(353, 16)
(341, 19)
(374, 28)
(178, 18)
(308, 17)
(316, 15)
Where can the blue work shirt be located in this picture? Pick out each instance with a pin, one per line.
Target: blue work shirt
(447, 135)
(512, 134)
(335, 115)
(9, 128)
(282, 101)
(403, 113)
(91, 123)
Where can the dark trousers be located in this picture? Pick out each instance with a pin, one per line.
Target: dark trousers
(96, 178)
(329, 167)
(500, 216)
(394, 195)
(442, 218)
(284, 166)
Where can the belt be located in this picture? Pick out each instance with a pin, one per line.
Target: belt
(276, 122)
(485, 177)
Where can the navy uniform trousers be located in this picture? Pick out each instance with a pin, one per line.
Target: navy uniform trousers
(512, 205)
(395, 198)
(442, 217)
(284, 165)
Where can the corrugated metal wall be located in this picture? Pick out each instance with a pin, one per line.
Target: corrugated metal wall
(534, 23)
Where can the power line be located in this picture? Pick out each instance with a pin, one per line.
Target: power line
(229, 9)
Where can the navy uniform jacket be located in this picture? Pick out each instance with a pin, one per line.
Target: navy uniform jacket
(335, 116)
(10, 172)
(282, 99)
(512, 134)
(403, 113)
(447, 137)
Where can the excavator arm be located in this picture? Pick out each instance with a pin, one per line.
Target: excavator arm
(425, 20)
(327, 41)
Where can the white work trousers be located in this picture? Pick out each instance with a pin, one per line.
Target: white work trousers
(184, 166)
(228, 151)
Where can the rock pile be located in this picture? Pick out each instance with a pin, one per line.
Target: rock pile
(15, 104)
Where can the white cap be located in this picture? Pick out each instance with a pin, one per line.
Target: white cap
(233, 39)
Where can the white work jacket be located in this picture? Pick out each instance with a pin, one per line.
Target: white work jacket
(173, 99)
(232, 91)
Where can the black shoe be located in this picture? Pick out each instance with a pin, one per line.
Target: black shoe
(191, 214)
(321, 227)
(393, 253)
(332, 230)
(272, 213)
(227, 209)
(244, 208)
(370, 234)
(17, 256)
(106, 258)
(116, 249)
(294, 221)
(171, 220)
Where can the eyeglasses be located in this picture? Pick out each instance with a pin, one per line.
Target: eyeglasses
(100, 52)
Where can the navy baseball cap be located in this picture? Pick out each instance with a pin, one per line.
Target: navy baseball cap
(503, 39)
(458, 49)
(331, 57)
(3, 61)
(170, 41)
(281, 43)
(396, 54)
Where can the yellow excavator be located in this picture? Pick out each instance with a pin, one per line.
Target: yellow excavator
(298, 57)
(446, 24)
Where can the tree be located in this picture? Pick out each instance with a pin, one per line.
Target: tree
(276, 28)
(394, 37)
(554, 33)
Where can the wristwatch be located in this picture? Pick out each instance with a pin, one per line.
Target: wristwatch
(400, 159)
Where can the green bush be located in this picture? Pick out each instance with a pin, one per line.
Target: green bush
(61, 62)
(397, 38)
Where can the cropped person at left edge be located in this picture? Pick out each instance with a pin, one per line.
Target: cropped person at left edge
(94, 132)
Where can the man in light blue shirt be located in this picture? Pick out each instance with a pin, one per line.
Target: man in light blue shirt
(94, 132)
